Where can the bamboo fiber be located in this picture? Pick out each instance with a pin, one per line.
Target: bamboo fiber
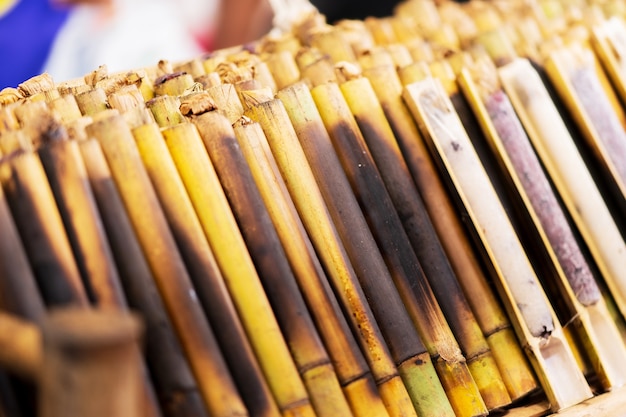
(354, 375)
(175, 386)
(196, 336)
(220, 228)
(294, 167)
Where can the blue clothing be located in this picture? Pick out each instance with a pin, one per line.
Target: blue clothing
(27, 32)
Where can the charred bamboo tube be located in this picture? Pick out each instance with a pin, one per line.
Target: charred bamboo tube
(528, 307)
(141, 202)
(175, 386)
(41, 229)
(68, 180)
(376, 283)
(354, 375)
(514, 369)
(567, 170)
(21, 348)
(97, 355)
(387, 156)
(302, 186)
(405, 268)
(204, 271)
(19, 294)
(584, 300)
(271, 262)
(220, 228)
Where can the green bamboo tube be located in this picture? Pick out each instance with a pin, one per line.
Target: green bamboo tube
(175, 386)
(141, 202)
(204, 271)
(387, 156)
(354, 375)
(271, 262)
(302, 186)
(514, 368)
(220, 227)
(40, 226)
(394, 244)
(165, 110)
(68, 180)
(386, 304)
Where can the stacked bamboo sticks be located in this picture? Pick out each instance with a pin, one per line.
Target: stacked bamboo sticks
(419, 214)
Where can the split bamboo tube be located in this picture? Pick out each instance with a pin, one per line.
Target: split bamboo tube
(576, 283)
(375, 281)
(175, 386)
(387, 156)
(405, 268)
(287, 148)
(567, 170)
(528, 307)
(40, 226)
(496, 327)
(204, 271)
(354, 375)
(271, 262)
(141, 202)
(220, 227)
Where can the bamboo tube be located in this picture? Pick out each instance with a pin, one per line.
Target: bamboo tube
(174, 383)
(92, 101)
(517, 283)
(329, 40)
(513, 366)
(227, 101)
(315, 68)
(387, 156)
(284, 68)
(220, 227)
(354, 375)
(140, 200)
(65, 108)
(14, 141)
(40, 226)
(204, 271)
(572, 71)
(19, 294)
(96, 355)
(173, 84)
(376, 283)
(67, 176)
(165, 110)
(8, 121)
(272, 265)
(607, 40)
(576, 283)
(565, 166)
(302, 186)
(405, 268)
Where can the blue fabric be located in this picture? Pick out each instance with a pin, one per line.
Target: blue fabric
(26, 35)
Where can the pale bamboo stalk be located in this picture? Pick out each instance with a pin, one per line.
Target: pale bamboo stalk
(65, 108)
(528, 307)
(576, 284)
(273, 267)
(220, 227)
(496, 327)
(309, 202)
(354, 375)
(387, 156)
(225, 99)
(40, 226)
(404, 267)
(174, 383)
(141, 202)
(92, 101)
(173, 84)
(284, 68)
(204, 271)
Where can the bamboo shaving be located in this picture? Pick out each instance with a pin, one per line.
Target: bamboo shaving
(197, 103)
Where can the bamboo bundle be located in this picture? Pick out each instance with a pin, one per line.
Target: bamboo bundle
(317, 221)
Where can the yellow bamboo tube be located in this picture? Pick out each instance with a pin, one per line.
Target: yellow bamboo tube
(173, 84)
(175, 386)
(301, 182)
(349, 363)
(284, 68)
(204, 271)
(21, 347)
(41, 228)
(225, 99)
(65, 108)
(92, 101)
(272, 264)
(156, 239)
(165, 110)
(220, 227)
(406, 271)
(516, 373)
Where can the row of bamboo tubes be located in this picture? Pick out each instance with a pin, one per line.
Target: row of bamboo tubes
(415, 215)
